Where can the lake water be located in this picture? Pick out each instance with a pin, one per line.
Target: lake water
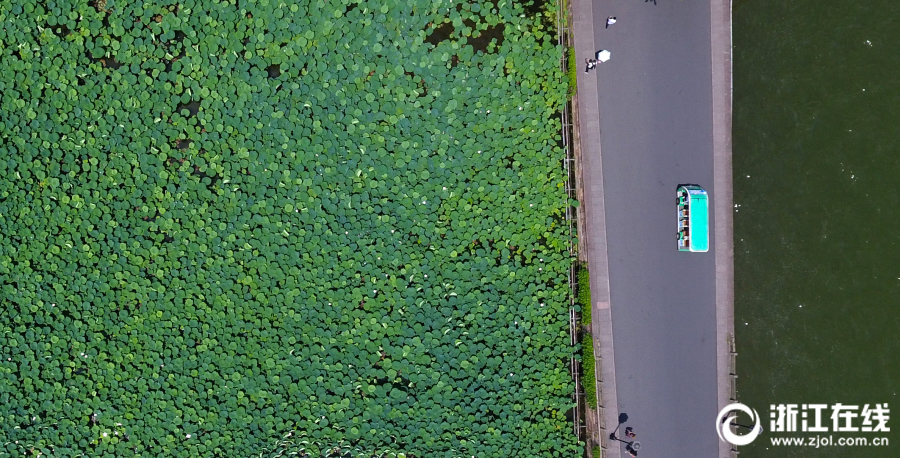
(817, 217)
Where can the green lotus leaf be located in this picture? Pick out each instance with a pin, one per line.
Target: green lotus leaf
(206, 252)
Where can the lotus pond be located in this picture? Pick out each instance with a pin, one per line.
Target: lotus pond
(270, 228)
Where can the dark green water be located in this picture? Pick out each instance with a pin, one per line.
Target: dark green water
(817, 227)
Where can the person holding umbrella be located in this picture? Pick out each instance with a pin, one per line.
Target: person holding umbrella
(603, 55)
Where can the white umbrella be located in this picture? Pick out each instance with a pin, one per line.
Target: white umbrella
(603, 56)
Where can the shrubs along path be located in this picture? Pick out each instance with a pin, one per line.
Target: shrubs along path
(584, 296)
(223, 224)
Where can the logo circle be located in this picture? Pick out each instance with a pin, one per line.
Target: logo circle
(724, 422)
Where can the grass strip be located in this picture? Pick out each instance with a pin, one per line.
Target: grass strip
(573, 71)
(589, 378)
(584, 295)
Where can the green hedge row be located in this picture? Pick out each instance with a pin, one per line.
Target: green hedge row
(589, 376)
(572, 70)
(584, 295)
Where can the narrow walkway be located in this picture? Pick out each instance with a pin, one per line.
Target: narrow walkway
(592, 237)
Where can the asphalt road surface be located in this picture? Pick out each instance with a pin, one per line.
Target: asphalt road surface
(655, 104)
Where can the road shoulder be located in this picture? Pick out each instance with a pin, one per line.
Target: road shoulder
(720, 30)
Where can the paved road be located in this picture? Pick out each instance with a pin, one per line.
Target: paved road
(655, 110)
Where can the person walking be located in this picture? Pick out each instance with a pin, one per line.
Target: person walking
(629, 433)
(591, 64)
(610, 21)
(631, 450)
